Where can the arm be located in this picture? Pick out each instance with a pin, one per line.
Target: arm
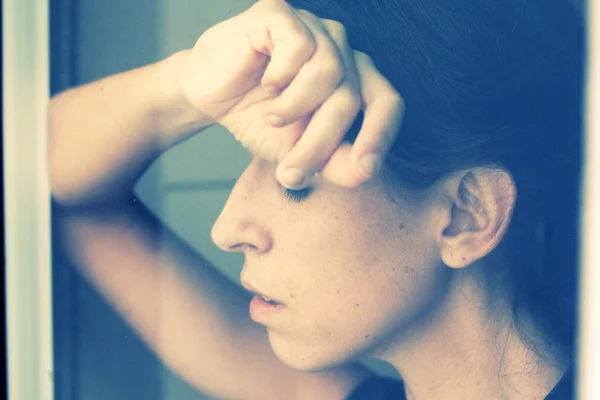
(102, 137)
(105, 134)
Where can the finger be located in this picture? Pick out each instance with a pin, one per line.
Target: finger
(286, 39)
(336, 170)
(337, 32)
(322, 136)
(383, 114)
(315, 82)
(329, 123)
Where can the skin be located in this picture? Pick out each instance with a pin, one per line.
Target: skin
(361, 273)
(304, 255)
(364, 272)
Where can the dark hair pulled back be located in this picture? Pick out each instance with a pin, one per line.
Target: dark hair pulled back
(490, 83)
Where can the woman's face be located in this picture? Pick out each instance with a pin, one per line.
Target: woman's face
(354, 268)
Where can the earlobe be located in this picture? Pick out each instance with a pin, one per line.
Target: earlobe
(483, 200)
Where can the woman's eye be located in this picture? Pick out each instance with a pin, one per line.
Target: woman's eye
(297, 196)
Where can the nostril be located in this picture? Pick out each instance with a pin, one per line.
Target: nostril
(242, 247)
(239, 235)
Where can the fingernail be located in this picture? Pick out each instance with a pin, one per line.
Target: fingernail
(369, 164)
(274, 120)
(293, 177)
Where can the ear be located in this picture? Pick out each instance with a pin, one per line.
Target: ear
(481, 206)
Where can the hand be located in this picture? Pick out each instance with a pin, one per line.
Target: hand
(288, 86)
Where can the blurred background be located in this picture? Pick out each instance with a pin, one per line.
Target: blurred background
(96, 355)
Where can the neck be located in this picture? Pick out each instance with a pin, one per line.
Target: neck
(468, 348)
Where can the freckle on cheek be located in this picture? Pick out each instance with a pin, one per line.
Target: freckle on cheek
(356, 304)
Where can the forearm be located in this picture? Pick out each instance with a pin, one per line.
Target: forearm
(105, 134)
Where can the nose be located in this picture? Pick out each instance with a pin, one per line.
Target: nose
(242, 224)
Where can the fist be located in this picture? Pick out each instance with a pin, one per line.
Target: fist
(288, 86)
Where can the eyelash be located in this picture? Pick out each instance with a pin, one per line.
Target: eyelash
(296, 196)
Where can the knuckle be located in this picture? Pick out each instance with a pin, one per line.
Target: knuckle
(332, 69)
(396, 99)
(304, 43)
(272, 2)
(349, 101)
(363, 57)
(336, 29)
(308, 15)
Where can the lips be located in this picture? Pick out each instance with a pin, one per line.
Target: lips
(265, 296)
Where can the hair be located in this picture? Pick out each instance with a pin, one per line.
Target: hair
(490, 83)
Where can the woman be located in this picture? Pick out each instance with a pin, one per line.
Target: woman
(445, 247)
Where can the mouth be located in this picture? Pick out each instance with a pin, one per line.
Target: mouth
(263, 308)
(267, 299)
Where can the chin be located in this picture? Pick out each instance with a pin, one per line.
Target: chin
(309, 357)
(309, 363)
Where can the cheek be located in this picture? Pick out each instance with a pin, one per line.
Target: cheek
(384, 283)
(355, 283)
(360, 255)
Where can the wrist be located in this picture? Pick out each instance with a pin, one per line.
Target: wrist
(177, 118)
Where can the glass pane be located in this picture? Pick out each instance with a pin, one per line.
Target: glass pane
(457, 260)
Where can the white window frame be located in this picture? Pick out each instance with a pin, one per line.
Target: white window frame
(589, 305)
(28, 276)
(27, 206)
